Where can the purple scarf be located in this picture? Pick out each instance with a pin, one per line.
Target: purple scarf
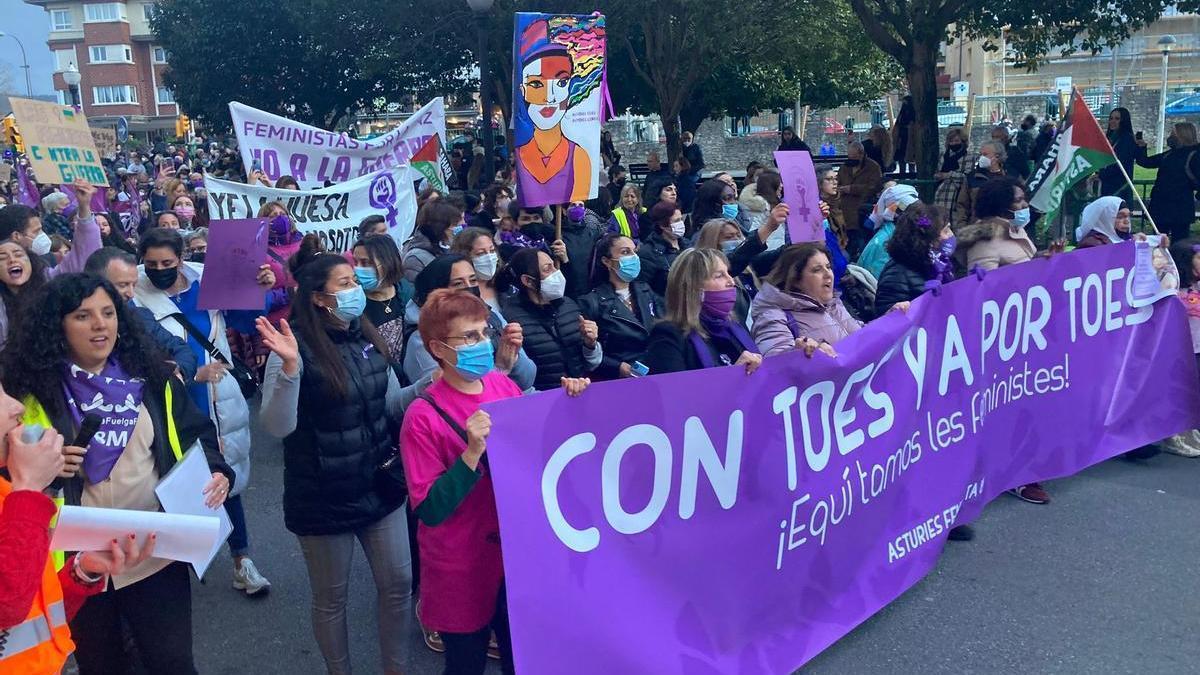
(728, 330)
(115, 397)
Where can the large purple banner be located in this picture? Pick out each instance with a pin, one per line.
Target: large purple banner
(714, 522)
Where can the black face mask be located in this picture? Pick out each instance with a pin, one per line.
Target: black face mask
(473, 290)
(853, 162)
(954, 147)
(163, 279)
(196, 257)
(539, 231)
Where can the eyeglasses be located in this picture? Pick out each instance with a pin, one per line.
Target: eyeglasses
(474, 337)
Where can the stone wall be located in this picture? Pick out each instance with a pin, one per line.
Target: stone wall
(733, 153)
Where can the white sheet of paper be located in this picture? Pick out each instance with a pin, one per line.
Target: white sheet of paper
(1154, 274)
(185, 538)
(181, 492)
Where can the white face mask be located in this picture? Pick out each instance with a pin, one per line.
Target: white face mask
(485, 265)
(554, 286)
(677, 228)
(41, 244)
(984, 162)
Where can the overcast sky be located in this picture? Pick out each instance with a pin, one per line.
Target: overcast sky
(32, 26)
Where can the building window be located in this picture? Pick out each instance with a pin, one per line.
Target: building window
(165, 95)
(148, 11)
(111, 54)
(60, 19)
(104, 11)
(63, 97)
(63, 58)
(160, 54)
(114, 94)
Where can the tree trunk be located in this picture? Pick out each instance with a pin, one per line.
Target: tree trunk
(691, 117)
(921, 73)
(671, 130)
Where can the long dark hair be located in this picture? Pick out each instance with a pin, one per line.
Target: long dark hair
(523, 263)
(311, 267)
(918, 230)
(603, 249)
(791, 264)
(708, 202)
(36, 356)
(1125, 128)
(15, 304)
(383, 252)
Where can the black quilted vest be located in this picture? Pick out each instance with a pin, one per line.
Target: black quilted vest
(330, 460)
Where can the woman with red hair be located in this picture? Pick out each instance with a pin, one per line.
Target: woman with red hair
(443, 442)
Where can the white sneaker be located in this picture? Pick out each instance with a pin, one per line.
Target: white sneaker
(246, 578)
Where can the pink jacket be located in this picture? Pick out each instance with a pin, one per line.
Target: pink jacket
(779, 318)
(280, 305)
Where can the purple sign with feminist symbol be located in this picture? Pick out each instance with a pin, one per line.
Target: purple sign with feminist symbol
(383, 196)
(802, 195)
(733, 523)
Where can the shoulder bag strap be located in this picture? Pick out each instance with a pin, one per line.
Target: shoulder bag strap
(454, 426)
(278, 258)
(200, 337)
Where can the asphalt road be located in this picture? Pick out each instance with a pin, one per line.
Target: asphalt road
(1105, 579)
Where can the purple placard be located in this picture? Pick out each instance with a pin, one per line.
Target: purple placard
(725, 523)
(236, 249)
(802, 195)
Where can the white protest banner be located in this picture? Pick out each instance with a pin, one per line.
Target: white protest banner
(280, 146)
(333, 213)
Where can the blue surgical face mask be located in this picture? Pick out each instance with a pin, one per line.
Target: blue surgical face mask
(730, 211)
(350, 303)
(730, 245)
(1021, 218)
(475, 361)
(629, 267)
(367, 277)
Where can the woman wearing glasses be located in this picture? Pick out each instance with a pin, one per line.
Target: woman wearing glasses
(331, 394)
(443, 443)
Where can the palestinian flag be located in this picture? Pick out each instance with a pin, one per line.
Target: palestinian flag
(432, 162)
(1080, 150)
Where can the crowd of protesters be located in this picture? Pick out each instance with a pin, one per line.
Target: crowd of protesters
(371, 364)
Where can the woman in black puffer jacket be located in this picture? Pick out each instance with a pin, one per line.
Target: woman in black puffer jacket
(332, 396)
(559, 340)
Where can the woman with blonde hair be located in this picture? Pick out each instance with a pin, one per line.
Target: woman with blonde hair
(878, 146)
(626, 218)
(699, 330)
(1173, 198)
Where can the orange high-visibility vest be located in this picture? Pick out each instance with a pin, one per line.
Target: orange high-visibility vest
(41, 643)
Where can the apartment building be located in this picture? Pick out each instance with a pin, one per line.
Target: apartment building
(1135, 64)
(120, 66)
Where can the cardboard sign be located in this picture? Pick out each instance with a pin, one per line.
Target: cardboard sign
(58, 142)
(105, 140)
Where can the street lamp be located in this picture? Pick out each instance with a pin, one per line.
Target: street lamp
(71, 77)
(24, 61)
(482, 10)
(1165, 43)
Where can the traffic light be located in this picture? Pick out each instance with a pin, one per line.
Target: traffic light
(182, 126)
(12, 135)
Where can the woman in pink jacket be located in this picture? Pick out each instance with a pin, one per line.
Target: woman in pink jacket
(797, 307)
